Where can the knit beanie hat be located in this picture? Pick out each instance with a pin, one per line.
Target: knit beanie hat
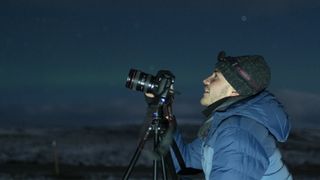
(248, 74)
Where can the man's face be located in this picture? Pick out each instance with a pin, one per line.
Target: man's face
(216, 87)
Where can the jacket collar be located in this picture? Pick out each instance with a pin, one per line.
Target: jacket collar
(222, 105)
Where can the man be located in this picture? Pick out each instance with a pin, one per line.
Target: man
(244, 121)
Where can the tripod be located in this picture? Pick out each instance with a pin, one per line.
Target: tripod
(158, 127)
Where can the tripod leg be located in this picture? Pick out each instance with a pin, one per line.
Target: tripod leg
(136, 154)
(164, 171)
(155, 169)
(155, 145)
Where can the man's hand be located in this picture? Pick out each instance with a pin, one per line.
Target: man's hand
(149, 95)
(150, 99)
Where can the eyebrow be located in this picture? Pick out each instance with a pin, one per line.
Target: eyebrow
(216, 71)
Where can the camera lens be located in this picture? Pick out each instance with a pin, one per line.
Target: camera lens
(140, 81)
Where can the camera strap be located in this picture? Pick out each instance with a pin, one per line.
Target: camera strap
(183, 169)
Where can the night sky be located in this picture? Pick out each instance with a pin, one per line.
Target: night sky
(65, 63)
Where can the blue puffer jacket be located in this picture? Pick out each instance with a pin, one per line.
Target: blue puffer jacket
(240, 143)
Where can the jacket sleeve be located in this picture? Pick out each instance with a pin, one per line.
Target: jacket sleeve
(237, 155)
(191, 153)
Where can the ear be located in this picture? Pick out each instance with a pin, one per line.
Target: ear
(234, 93)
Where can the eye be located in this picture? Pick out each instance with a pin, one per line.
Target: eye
(215, 76)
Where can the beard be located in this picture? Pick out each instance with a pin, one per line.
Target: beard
(212, 96)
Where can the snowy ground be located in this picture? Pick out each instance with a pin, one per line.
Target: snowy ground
(104, 153)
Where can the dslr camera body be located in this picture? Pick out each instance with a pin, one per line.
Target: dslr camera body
(160, 85)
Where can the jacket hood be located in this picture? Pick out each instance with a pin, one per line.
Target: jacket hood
(266, 110)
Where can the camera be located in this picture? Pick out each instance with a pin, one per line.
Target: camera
(159, 85)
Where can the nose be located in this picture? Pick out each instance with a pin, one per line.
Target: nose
(206, 81)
